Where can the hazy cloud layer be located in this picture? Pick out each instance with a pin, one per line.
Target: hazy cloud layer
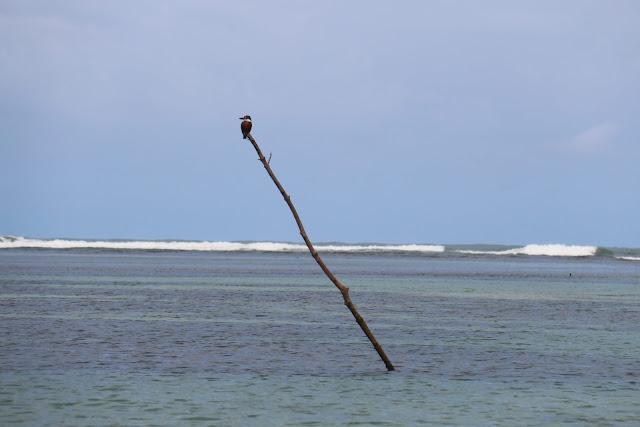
(596, 140)
(410, 121)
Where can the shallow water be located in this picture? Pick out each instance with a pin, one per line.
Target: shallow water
(104, 337)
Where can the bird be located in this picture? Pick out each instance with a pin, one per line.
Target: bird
(245, 126)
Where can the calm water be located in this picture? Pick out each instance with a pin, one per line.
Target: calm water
(129, 337)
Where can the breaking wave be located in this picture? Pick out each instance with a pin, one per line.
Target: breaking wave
(7, 242)
(549, 250)
(552, 250)
(628, 258)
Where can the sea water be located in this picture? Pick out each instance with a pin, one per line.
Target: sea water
(172, 333)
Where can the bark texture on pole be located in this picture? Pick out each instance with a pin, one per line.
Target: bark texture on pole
(343, 289)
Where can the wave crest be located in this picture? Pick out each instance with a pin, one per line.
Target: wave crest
(548, 250)
(8, 242)
(554, 250)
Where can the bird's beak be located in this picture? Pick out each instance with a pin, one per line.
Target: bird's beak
(241, 118)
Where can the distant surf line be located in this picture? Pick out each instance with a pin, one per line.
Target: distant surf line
(554, 250)
(8, 242)
(548, 250)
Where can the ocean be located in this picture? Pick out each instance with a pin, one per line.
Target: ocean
(161, 333)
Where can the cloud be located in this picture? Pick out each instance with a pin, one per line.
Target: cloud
(596, 140)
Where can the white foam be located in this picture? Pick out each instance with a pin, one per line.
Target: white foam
(381, 248)
(21, 242)
(548, 250)
(628, 258)
(560, 250)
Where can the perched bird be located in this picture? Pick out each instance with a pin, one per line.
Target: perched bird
(245, 126)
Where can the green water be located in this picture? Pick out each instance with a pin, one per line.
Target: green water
(161, 338)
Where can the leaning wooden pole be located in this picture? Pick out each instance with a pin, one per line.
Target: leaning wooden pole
(343, 289)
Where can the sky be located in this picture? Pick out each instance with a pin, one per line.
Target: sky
(388, 121)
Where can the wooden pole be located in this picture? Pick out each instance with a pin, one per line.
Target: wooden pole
(343, 289)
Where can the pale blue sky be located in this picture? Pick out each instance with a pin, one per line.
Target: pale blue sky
(389, 121)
